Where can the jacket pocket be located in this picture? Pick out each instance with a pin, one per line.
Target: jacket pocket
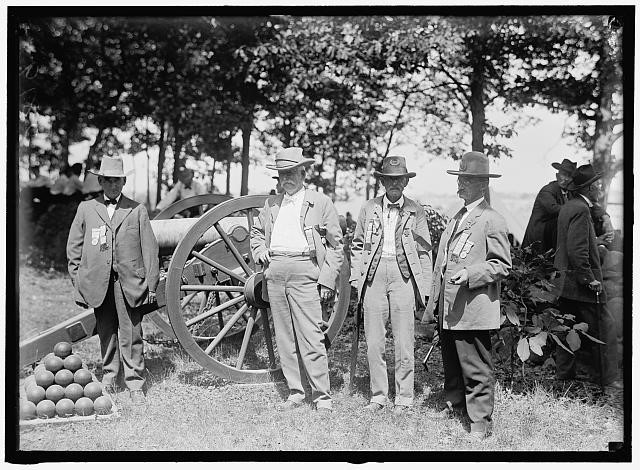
(140, 273)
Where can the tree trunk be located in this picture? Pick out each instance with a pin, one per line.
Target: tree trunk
(246, 140)
(334, 184)
(228, 192)
(178, 161)
(368, 171)
(92, 150)
(162, 148)
(476, 83)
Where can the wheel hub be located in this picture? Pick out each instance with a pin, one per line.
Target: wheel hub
(253, 291)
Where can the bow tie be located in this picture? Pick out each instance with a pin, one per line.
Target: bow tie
(110, 201)
(187, 186)
(393, 206)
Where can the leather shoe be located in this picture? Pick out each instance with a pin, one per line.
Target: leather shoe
(373, 407)
(137, 397)
(401, 409)
(288, 405)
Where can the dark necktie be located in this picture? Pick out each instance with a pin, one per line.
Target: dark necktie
(392, 206)
(110, 201)
(187, 186)
(458, 217)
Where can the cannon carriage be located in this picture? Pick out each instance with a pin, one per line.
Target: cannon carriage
(210, 297)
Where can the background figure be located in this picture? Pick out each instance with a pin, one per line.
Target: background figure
(113, 264)
(298, 242)
(543, 223)
(473, 257)
(73, 185)
(580, 281)
(391, 269)
(184, 188)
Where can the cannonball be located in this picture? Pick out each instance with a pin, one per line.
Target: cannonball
(39, 368)
(46, 409)
(73, 363)
(55, 393)
(63, 377)
(44, 378)
(53, 364)
(62, 349)
(84, 406)
(74, 391)
(27, 409)
(102, 405)
(36, 394)
(82, 377)
(65, 408)
(93, 390)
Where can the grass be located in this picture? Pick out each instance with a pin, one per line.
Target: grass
(190, 409)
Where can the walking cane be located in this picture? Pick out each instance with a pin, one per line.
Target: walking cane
(354, 347)
(434, 343)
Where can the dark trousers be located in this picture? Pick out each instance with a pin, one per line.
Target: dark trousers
(119, 328)
(604, 358)
(468, 374)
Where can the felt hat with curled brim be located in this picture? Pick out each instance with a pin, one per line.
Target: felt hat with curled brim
(111, 168)
(394, 166)
(475, 165)
(584, 176)
(289, 158)
(566, 165)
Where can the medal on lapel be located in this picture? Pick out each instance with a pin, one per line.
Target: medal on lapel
(103, 238)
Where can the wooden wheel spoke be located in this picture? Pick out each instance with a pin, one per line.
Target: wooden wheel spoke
(226, 328)
(267, 338)
(218, 266)
(234, 250)
(214, 310)
(187, 299)
(245, 339)
(211, 288)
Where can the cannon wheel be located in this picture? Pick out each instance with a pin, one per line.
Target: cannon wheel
(227, 359)
(168, 213)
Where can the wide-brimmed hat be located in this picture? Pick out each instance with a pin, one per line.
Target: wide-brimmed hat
(474, 164)
(289, 158)
(584, 176)
(111, 167)
(394, 166)
(566, 165)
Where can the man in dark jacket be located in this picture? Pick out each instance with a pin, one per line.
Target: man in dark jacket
(543, 224)
(580, 280)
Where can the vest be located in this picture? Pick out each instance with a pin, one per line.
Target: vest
(401, 257)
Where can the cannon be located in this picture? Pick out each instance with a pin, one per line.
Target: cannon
(210, 292)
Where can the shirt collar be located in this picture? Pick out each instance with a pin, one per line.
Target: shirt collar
(117, 199)
(474, 204)
(386, 202)
(295, 197)
(587, 199)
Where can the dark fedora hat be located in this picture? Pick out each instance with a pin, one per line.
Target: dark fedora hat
(584, 176)
(474, 164)
(566, 165)
(394, 166)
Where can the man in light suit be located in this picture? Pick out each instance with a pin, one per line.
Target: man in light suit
(113, 264)
(391, 268)
(473, 257)
(298, 241)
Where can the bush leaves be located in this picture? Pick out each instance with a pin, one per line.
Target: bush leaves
(595, 340)
(557, 340)
(573, 340)
(523, 349)
(512, 313)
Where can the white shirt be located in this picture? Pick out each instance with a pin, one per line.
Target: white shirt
(111, 208)
(287, 234)
(470, 207)
(389, 220)
(180, 191)
(587, 199)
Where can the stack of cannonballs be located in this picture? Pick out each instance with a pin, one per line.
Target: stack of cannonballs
(62, 386)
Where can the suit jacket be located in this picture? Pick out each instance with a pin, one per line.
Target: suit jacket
(317, 209)
(577, 259)
(543, 223)
(416, 243)
(131, 251)
(480, 245)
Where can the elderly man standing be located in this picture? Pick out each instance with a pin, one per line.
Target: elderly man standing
(580, 281)
(473, 257)
(391, 268)
(298, 241)
(543, 223)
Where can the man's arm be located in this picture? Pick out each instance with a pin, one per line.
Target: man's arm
(334, 256)
(357, 244)
(578, 246)
(498, 261)
(257, 241)
(149, 246)
(422, 236)
(547, 200)
(169, 198)
(75, 244)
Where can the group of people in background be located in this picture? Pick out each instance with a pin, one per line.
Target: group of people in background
(568, 222)
(298, 240)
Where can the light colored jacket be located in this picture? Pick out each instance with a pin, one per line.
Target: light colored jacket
(416, 242)
(481, 246)
(131, 247)
(317, 210)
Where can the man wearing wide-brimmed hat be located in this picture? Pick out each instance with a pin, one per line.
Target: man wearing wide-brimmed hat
(543, 223)
(391, 269)
(580, 280)
(298, 241)
(473, 257)
(113, 264)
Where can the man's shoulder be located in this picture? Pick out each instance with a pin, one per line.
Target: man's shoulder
(551, 187)
(574, 205)
(494, 217)
(317, 197)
